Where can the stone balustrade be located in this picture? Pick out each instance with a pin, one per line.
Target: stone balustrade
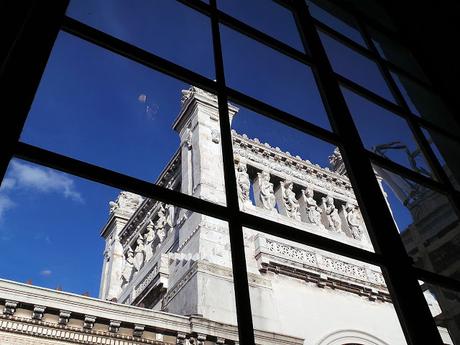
(325, 269)
(274, 182)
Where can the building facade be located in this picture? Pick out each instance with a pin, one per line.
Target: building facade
(167, 272)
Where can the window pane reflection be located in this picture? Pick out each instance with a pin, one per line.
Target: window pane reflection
(427, 222)
(356, 67)
(337, 19)
(443, 304)
(394, 52)
(385, 133)
(446, 151)
(426, 104)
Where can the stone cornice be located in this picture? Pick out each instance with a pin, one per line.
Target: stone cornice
(107, 318)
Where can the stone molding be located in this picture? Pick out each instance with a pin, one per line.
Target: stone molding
(48, 330)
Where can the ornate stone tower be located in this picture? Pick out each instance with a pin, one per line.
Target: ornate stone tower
(178, 261)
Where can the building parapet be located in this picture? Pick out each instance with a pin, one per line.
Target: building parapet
(85, 320)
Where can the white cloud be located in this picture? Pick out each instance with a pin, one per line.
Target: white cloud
(42, 180)
(5, 204)
(7, 184)
(46, 273)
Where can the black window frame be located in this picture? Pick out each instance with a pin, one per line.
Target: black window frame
(29, 42)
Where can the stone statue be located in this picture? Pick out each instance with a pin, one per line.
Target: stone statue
(267, 195)
(336, 162)
(243, 183)
(353, 220)
(149, 238)
(139, 255)
(332, 215)
(126, 202)
(290, 202)
(160, 223)
(170, 216)
(188, 138)
(313, 211)
(128, 268)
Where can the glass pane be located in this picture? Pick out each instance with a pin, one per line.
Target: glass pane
(426, 104)
(397, 54)
(99, 107)
(426, 220)
(337, 19)
(374, 10)
(166, 28)
(443, 304)
(317, 297)
(385, 133)
(68, 234)
(355, 67)
(274, 78)
(292, 178)
(266, 16)
(446, 150)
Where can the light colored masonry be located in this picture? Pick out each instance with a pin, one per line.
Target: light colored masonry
(167, 275)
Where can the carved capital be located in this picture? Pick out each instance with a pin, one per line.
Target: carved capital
(88, 322)
(138, 330)
(10, 307)
(64, 317)
(220, 340)
(114, 326)
(181, 338)
(200, 339)
(38, 312)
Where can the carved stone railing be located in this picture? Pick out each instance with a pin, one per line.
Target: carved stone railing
(311, 264)
(47, 315)
(275, 183)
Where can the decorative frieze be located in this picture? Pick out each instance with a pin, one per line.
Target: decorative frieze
(268, 250)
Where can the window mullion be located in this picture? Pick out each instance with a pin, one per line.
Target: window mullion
(413, 312)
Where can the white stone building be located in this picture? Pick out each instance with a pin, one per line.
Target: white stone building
(167, 275)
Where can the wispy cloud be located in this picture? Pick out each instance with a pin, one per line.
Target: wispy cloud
(5, 204)
(43, 180)
(35, 179)
(46, 273)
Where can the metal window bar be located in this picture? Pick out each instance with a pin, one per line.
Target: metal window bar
(410, 304)
(397, 266)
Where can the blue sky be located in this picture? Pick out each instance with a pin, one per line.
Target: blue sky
(104, 109)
